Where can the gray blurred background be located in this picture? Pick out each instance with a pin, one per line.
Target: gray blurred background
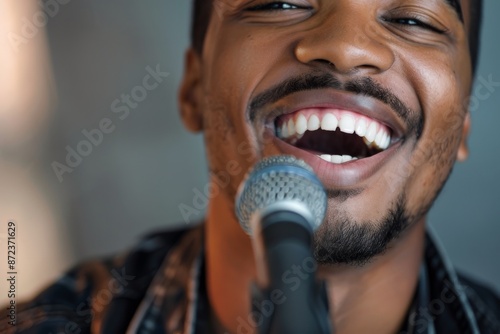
(135, 180)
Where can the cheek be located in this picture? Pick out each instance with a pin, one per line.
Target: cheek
(231, 72)
(234, 67)
(444, 112)
(228, 138)
(440, 83)
(443, 104)
(225, 142)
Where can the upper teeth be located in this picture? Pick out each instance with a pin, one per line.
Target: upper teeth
(373, 132)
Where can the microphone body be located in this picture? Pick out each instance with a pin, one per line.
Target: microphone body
(281, 204)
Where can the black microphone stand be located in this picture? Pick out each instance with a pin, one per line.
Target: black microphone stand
(296, 301)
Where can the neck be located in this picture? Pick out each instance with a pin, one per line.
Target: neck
(380, 292)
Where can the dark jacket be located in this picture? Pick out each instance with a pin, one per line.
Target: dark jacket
(159, 287)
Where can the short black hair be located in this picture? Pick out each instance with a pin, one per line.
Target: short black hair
(202, 9)
(476, 18)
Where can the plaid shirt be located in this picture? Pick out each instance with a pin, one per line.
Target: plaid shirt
(159, 287)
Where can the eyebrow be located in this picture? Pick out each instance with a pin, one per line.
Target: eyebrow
(455, 4)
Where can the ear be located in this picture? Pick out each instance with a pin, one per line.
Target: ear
(463, 150)
(190, 92)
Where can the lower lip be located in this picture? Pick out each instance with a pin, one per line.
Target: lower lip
(346, 175)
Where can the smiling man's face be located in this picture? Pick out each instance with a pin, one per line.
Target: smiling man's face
(371, 93)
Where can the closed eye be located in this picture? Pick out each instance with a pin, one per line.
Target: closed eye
(414, 22)
(276, 6)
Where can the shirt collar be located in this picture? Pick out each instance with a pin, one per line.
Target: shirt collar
(177, 296)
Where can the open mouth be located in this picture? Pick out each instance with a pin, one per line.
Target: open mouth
(336, 136)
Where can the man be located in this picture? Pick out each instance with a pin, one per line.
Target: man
(373, 95)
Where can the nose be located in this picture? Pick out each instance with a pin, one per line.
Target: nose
(351, 42)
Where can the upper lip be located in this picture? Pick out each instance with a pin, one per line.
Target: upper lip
(335, 99)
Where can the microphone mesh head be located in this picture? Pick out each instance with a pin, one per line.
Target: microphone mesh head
(276, 179)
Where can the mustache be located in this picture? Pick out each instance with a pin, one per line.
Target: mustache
(365, 86)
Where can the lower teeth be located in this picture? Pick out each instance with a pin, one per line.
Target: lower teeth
(337, 159)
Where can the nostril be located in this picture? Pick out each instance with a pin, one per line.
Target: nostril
(325, 64)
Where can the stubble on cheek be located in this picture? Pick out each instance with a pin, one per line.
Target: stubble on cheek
(230, 153)
(217, 124)
(444, 141)
(433, 160)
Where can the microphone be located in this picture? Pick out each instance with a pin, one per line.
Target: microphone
(280, 204)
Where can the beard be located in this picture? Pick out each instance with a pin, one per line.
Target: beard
(356, 243)
(342, 240)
